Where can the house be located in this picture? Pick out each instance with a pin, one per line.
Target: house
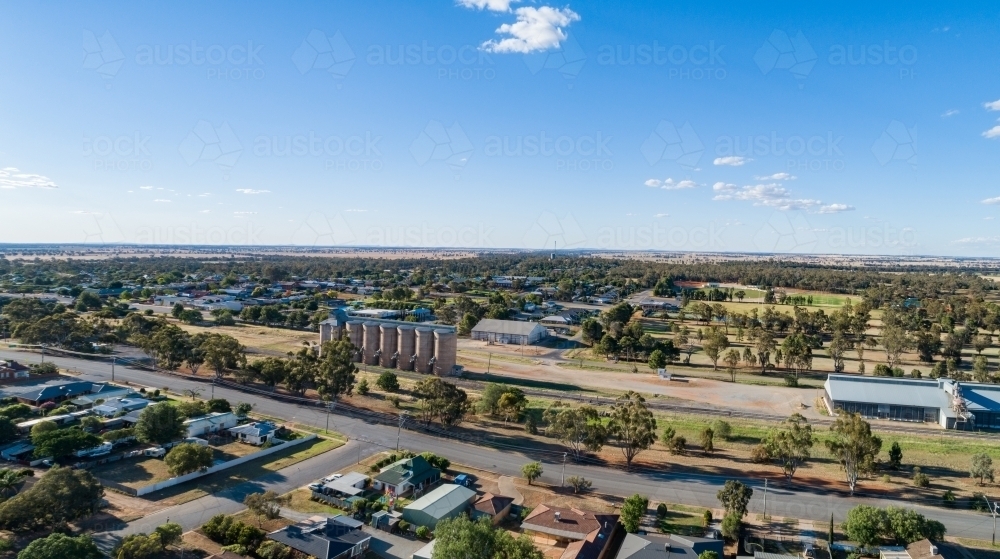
(211, 423)
(12, 370)
(256, 433)
(581, 534)
(426, 552)
(921, 549)
(343, 491)
(405, 476)
(508, 331)
(17, 450)
(114, 406)
(447, 501)
(660, 546)
(339, 537)
(494, 507)
(69, 390)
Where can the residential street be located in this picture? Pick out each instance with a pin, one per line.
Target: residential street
(693, 489)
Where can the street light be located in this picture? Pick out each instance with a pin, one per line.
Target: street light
(993, 509)
(402, 420)
(329, 408)
(563, 482)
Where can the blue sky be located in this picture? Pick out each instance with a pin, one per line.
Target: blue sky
(490, 124)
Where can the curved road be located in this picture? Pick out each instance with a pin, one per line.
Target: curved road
(793, 501)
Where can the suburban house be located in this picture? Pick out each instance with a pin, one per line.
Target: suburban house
(661, 546)
(69, 390)
(12, 370)
(494, 507)
(447, 501)
(921, 549)
(508, 331)
(114, 406)
(256, 433)
(581, 534)
(211, 423)
(405, 476)
(339, 537)
(343, 491)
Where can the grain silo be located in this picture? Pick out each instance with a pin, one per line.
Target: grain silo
(355, 332)
(445, 348)
(329, 330)
(407, 347)
(372, 334)
(425, 349)
(387, 345)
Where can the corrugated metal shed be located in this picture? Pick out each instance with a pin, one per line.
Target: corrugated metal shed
(887, 390)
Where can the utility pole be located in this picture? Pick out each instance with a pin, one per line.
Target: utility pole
(329, 408)
(402, 420)
(563, 482)
(765, 499)
(113, 369)
(488, 361)
(993, 509)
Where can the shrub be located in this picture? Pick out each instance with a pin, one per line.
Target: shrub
(404, 526)
(886, 478)
(423, 532)
(388, 382)
(978, 503)
(661, 510)
(362, 387)
(791, 381)
(948, 498)
(760, 454)
(920, 479)
(579, 484)
(530, 426)
(706, 518)
(676, 445)
(731, 526)
(224, 530)
(395, 401)
(722, 429)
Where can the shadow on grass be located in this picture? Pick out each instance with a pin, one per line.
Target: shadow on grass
(541, 384)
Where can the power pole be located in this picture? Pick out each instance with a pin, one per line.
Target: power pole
(399, 429)
(563, 482)
(329, 408)
(993, 509)
(113, 369)
(765, 499)
(489, 360)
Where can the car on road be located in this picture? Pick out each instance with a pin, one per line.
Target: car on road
(334, 477)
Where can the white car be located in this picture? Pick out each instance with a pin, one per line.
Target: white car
(334, 477)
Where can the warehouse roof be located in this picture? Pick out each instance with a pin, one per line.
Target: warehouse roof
(510, 327)
(888, 390)
(443, 500)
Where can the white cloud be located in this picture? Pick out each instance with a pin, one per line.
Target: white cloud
(355, 211)
(778, 177)
(671, 184)
(161, 201)
(988, 218)
(145, 188)
(992, 132)
(771, 196)
(731, 161)
(658, 216)
(205, 211)
(977, 241)
(11, 177)
(992, 105)
(992, 201)
(836, 209)
(491, 5)
(949, 112)
(252, 191)
(536, 29)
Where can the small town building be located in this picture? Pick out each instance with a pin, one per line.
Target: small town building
(947, 402)
(494, 507)
(426, 552)
(661, 546)
(339, 537)
(581, 534)
(343, 491)
(256, 433)
(447, 501)
(12, 370)
(210, 423)
(407, 476)
(115, 406)
(54, 393)
(509, 332)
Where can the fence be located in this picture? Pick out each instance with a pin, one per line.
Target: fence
(145, 490)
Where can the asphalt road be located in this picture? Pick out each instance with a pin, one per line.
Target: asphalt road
(783, 501)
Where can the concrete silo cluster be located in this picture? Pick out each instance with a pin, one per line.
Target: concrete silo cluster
(395, 344)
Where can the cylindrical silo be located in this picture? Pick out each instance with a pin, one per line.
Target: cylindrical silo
(425, 349)
(372, 335)
(387, 344)
(355, 332)
(407, 347)
(445, 347)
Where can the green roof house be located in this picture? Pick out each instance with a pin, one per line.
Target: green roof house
(446, 501)
(406, 476)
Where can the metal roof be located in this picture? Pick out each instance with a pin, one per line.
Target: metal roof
(981, 397)
(888, 390)
(443, 500)
(510, 327)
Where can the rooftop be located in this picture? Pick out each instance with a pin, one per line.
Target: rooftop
(492, 504)
(567, 523)
(442, 500)
(510, 327)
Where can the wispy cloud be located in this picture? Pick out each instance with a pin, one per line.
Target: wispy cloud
(949, 112)
(491, 5)
(146, 188)
(162, 201)
(536, 29)
(660, 216)
(992, 105)
(11, 177)
(252, 191)
(353, 210)
(731, 161)
(992, 132)
(991, 201)
(671, 184)
(777, 177)
(977, 241)
(836, 209)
